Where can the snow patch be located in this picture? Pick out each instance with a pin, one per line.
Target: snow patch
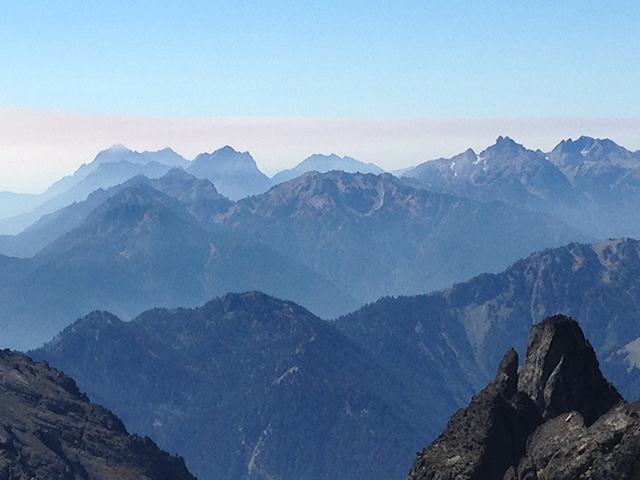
(291, 371)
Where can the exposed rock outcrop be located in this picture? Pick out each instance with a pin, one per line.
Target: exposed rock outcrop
(50, 430)
(560, 372)
(558, 419)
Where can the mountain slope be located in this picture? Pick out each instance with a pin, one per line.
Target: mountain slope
(109, 168)
(234, 174)
(49, 429)
(50, 227)
(246, 387)
(376, 235)
(323, 164)
(454, 338)
(199, 196)
(138, 249)
(12, 204)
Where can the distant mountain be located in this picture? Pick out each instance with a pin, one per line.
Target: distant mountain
(115, 154)
(454, 338)
(376, 235)
(200, 197)
(49, 430)
(141, 248)
(110, 167)
(50, 227)
(12, 204)
(119, 153)
(247, 387)
(326, 163)
(234, 174)
(592, 184)
(506, 171)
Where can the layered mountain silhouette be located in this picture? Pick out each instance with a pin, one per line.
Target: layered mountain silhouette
(142, 248)
(592, 184)
(323, 164)
(420, 358)
(328, 241)
(110, 167)
(246, 387)
(199, 196)
(50, 430)
(376, 235)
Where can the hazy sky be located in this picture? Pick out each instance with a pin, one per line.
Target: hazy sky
(267, 59)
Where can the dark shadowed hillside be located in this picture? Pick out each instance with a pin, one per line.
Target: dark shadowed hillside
(247, 387)
(455, 338)
(50, 430)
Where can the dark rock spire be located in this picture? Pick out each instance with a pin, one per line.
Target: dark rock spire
(512, 429)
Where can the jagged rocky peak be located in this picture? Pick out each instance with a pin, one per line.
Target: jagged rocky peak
(559, 401)
(561, 373)
(485, 439)
(506, 151)
(585, 150)
(226, 157)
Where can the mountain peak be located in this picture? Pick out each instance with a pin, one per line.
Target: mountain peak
(227, 149)
(588, 148)
(326, 163)
(235, 174)
(494, 436)
(118, 147)
(118, 153)
(560, 372)
(506, 142)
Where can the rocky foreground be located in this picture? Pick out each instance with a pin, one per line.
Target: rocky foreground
(49, 430)
(557, 419)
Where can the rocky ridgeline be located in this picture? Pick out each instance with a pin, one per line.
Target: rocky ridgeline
(49, 430)
(558, 419)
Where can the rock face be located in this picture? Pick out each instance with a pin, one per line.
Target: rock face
(561, 373)
(48, 429)
(557, 419)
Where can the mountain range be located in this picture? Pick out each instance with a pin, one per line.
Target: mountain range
(421, 357)
(457, 335)
(142, 248)
(234, 173)
(376, 235)
(591, 184)
(331, 242)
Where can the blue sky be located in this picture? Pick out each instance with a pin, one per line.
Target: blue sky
(436, 76)
(369, 59)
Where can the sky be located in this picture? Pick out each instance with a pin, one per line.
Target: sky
(344, 65)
